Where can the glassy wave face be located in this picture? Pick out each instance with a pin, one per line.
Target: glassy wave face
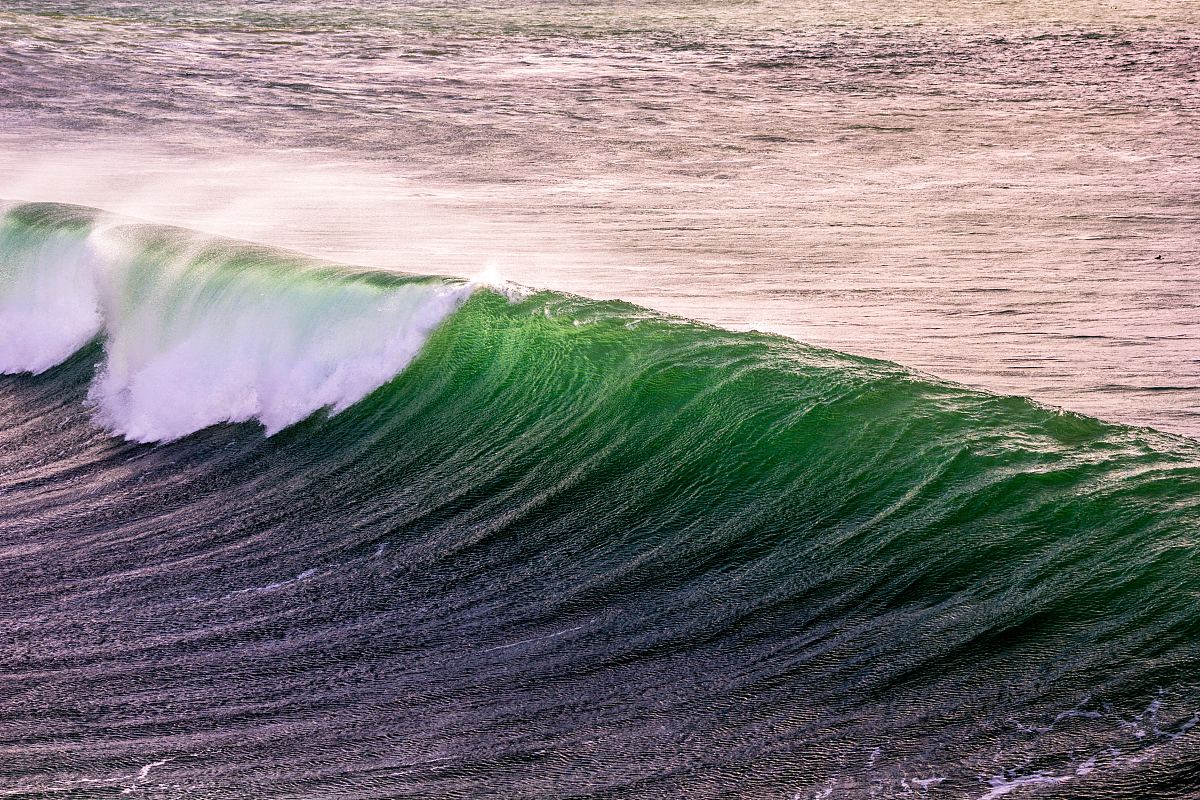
(523, 544)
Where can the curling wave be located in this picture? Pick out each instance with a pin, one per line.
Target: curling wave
(553, 547)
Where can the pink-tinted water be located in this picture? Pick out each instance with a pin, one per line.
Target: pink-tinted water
(1005, 195)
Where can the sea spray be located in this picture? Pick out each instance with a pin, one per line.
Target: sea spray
(200, 331)
(49, 306)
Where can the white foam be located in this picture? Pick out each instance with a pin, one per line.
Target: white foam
(48, 303)
(271, 359)
(200, 332)
(1002, 785)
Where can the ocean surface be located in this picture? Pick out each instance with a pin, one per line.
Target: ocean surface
(618, 400)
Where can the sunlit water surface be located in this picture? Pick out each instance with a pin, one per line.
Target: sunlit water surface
(1003, 195)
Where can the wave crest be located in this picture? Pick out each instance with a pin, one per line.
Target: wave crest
(48, 300)
(200, 331)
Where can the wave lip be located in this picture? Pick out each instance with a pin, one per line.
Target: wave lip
(201, 331)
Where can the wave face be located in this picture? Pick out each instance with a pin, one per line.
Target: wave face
(551, 547)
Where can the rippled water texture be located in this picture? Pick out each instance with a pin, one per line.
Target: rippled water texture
(1004, 195)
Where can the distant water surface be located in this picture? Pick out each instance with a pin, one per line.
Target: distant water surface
(1004, 195)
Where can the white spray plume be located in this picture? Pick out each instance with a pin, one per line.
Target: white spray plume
(199, 332)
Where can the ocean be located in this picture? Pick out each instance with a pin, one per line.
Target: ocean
(615, 400)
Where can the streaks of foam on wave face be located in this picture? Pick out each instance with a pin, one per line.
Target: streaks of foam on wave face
(199, 333)
(48, 299)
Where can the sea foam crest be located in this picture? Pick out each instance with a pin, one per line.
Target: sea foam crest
(48, 297)
(199, 332)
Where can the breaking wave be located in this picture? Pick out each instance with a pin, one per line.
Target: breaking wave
(199, 331)
(543, 546)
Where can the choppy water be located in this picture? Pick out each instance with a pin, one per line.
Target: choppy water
(276, 526)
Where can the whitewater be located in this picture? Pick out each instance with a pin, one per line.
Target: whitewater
(199, 332)
(637, 400)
